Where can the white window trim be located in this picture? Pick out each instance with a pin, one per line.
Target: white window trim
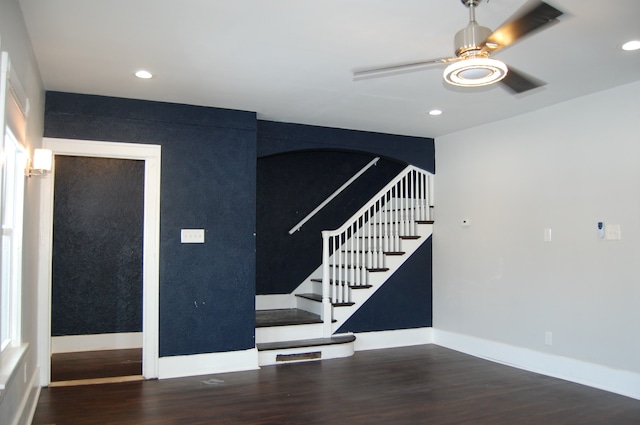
(11, 90)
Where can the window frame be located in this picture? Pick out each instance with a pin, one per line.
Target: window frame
(13, 163)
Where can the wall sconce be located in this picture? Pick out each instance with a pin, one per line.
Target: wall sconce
(41, 164)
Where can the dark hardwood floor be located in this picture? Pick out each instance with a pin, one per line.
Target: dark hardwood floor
(415, 385)
(95, 364)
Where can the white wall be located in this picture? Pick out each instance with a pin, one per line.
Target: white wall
(564, 167)
(19, 397)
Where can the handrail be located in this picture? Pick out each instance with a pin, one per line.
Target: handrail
(333, 195)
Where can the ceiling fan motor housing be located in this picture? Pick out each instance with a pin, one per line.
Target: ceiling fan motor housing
(467, 41)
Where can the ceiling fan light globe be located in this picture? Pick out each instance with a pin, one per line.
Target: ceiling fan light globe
(475, 72)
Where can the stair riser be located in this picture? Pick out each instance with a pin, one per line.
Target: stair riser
(288, 333)
(335, 351)
(310, 305)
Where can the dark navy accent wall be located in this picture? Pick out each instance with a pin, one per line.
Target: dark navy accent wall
(403, 302)
(290, 186)
(300, 165)
(97, 246)
(208, 181)
(276, 137)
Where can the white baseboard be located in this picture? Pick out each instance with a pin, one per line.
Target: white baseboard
(393, 339)
(275, 301)
(207, 364)
(112, 341)
(593, 375)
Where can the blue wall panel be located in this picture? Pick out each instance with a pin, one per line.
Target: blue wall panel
(208, 181)
(96, 285)
(276, 137)
(403, 302)
(290, 186)
(209, 175)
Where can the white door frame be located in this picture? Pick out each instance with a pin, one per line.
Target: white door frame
(150, 154)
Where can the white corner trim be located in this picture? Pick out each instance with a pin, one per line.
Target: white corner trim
(593, 375)
(207, 364)
(111, 341)
(392, 339)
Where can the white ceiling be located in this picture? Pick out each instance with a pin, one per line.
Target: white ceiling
(292, 60)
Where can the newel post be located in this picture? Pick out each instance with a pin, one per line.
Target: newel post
(326, 300)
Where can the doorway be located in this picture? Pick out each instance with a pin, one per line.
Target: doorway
(96, 289)
(150, 154)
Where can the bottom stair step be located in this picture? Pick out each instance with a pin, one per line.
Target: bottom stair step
(341, 339)
(271, 353)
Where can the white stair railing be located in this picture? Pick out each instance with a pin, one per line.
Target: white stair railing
(360, 245)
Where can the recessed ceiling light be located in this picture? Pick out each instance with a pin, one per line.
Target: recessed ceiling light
(143, 74)
(631, 45)
(435, 112)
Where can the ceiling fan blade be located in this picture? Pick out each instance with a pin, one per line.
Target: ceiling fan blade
(519, 82)
(533, 16)
(400, 68)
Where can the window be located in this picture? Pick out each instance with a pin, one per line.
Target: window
(13, 159)
(12, 196)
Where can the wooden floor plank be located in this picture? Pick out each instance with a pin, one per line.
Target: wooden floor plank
(95, 364)
(413, 385)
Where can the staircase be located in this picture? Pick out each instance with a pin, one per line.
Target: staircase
(358, 258)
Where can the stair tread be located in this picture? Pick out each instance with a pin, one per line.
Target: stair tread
(318, 297)
(285, 317)
(314, 342)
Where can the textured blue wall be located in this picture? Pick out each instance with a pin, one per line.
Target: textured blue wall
(96, 285)
(208, 181)
(403, 302)
(330, 156)
(290, 186)
(209, 163)
(276, 138)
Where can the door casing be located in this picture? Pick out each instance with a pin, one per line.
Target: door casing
(151, 155)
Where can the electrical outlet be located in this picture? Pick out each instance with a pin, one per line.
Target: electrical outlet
(548, 338)
(613, 232)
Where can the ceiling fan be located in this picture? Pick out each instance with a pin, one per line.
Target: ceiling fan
(472, 65)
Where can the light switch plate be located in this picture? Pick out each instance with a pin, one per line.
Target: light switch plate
(192, 236)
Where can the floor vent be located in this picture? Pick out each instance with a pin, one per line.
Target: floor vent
(301, 356)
